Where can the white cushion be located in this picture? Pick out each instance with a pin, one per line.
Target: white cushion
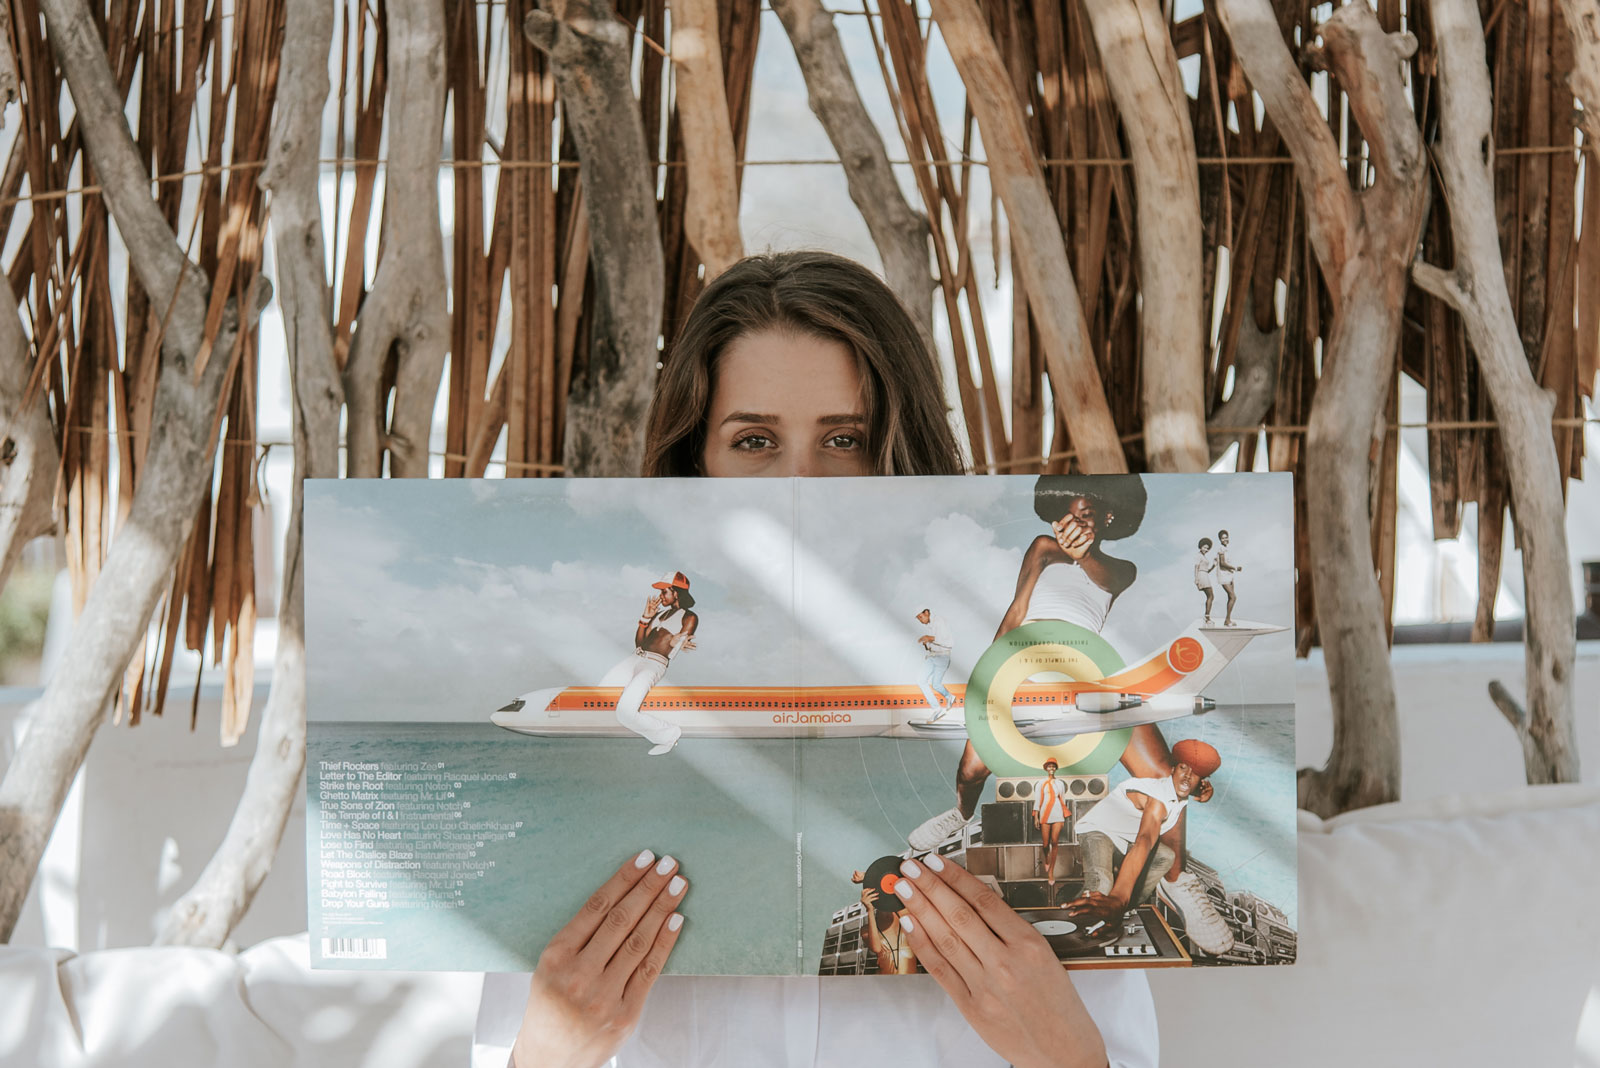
(1456, 931)
(160, 1008)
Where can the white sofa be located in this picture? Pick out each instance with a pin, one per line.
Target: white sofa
(1459, 931)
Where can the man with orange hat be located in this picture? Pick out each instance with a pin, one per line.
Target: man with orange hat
(1130, 822)
(666, 628)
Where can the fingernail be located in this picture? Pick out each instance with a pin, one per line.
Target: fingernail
(674, 921)
(932, 860)
(911, 869)
(906, 924)
(643, 859)
(664, 865)
(903, 888)
(675, 887)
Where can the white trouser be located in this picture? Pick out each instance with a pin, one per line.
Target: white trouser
(934, 665)
(636, 675)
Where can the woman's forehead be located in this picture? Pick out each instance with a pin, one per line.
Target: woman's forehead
(786, 375)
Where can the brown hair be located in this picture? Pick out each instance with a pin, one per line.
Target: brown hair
(823, 295)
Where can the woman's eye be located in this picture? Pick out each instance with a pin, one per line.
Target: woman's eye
(844, 441)
(754, 442)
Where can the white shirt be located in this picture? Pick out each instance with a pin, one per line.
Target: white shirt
(1118, 818)
(1065, 591)
(807, 1022)
(1225, 570)
(940, 646)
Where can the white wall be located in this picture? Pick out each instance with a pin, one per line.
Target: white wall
(1452, 738)
(153, 802)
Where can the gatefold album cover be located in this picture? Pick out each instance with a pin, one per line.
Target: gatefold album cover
(1079, 687)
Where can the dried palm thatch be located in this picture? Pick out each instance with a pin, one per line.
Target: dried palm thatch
(1173, 295)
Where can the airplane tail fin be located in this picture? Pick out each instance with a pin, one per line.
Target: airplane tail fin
(1203, 650)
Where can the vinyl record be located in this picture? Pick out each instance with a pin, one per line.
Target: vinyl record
(882, 874)
(1072, 936)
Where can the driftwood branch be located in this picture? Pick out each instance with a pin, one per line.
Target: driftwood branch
(1141, 68)
(1514, 713)
(1253, 29)
(177, 467)
(28, 453)
(1257, 358)
(405, 317)
(1364, 243)
(1476, 288)
(1583, 21)
(206, 914)
(588, 49)
(1038, 251)
(10, 84)
(711, 212)
(900, 233)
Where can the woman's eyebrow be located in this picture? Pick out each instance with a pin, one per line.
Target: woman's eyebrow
(838, 419)
(749, 417)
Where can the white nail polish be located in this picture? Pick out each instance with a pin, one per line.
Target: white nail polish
(664, 865)
(903, 888)
(911, 869)
(643, 859)
(932, 860)
(906, 924)
(674, 922)
(675, 887)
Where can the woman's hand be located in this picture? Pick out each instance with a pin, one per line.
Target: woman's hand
(589, 987)
(1073, 536)
(998, 970)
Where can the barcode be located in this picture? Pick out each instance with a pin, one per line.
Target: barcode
(355, 948)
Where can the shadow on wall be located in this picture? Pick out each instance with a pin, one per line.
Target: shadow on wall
(149, 808)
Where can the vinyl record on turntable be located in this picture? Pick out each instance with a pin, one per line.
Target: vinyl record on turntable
(1070, 935)
(882, 874)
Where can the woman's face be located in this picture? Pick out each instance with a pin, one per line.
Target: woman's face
(786, 404)
(1086, 511)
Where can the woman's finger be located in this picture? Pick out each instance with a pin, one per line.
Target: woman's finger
(649, 969)
(956, 912)
(993, 910)
(643, 937)
(624, 915)
(934, 963)
(576, 934)
(949, 943)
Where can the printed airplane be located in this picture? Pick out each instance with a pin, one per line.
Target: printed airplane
(1165, 685)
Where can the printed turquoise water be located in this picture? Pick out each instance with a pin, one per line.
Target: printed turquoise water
(730, 811)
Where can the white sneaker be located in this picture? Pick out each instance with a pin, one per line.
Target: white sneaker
(932, 834)
(667, 746)
(1206, 929)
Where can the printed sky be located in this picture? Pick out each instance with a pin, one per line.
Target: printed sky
(441, 600)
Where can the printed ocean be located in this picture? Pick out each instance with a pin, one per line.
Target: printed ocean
(427, 850)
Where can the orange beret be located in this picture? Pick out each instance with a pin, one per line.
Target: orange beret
(1201, 757)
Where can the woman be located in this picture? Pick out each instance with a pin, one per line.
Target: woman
(1050, 816)
(1228, 570)
(1203, 567)
(1066, 575)
(806, 364)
